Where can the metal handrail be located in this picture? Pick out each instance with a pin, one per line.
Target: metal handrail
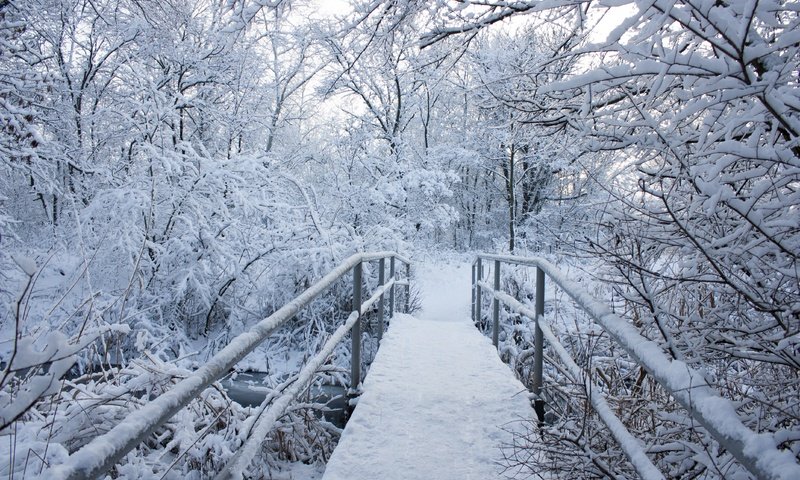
(235, 468)
(757, 452)
(633, 450)
(104, 451)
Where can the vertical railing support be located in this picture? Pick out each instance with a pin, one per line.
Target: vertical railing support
(408, 287)
(538, 347)
(381, 281)
(355, 359)
(496, 306)
(391, 292)
(478, 299)
(474, 281)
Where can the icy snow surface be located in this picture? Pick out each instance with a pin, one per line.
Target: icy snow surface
(437, 399)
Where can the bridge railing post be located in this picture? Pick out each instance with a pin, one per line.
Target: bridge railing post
(391, 291)
(472, 290)
(355, 359)
(538, 346)
(478, 299)
(496, 306)
(408, 287)
(381, 281)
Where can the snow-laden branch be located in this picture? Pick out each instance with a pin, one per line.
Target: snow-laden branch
(58, 353)
(494, 12)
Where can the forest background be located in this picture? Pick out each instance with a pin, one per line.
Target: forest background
(173, 172)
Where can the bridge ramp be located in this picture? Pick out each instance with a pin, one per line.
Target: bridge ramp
(437, 404)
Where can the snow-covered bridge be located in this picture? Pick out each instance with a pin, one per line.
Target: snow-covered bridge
(438, 402)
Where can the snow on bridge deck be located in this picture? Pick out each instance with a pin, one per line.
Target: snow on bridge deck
(438, 403)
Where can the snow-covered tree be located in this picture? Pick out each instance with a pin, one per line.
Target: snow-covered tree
(699, 101)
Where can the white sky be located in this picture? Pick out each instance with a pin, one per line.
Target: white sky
(331, 7)
(612, 19)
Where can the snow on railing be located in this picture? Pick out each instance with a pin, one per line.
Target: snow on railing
(630, 445)
(104, 451)
(757, 452)
(236, 468)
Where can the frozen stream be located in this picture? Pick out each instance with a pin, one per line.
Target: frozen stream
(247, 390)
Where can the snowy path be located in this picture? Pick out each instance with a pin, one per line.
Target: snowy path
(437, 398)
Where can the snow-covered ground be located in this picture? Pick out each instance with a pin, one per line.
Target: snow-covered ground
(438, 402)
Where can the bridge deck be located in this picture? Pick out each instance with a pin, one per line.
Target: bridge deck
(437, 403)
